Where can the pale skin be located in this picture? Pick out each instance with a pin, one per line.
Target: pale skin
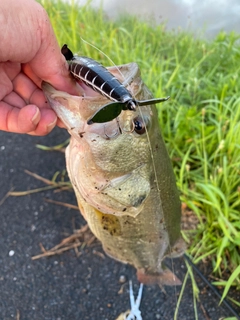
(29, 54)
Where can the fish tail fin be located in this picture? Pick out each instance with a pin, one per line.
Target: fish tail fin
(163, 278)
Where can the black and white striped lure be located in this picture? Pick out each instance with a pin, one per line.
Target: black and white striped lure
(97, 77)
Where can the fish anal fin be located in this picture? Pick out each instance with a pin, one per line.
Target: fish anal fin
(163, 278)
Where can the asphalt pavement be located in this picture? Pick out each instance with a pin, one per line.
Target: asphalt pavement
(68, 286)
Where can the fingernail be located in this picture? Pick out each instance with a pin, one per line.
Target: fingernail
(51, 125)
(36, 117)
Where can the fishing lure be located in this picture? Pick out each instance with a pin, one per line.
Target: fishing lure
(97, 77)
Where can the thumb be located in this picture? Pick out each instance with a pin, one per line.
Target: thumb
(49, 64)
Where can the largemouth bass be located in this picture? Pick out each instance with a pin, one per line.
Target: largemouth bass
(123, 179)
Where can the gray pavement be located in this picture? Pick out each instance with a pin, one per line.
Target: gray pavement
(65, 286)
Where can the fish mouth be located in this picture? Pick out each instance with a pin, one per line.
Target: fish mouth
(74, 111)
(65, 105)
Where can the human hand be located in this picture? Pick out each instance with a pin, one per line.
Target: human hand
(29, 53)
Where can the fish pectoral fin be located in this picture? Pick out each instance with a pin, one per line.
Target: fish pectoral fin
(164, 278)
(131, 190)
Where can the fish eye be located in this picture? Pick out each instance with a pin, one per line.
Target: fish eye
(139, 125)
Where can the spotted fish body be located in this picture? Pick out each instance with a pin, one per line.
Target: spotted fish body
(123, 178)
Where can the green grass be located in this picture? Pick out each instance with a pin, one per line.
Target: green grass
(200, 124)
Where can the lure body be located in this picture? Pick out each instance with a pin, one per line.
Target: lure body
(101, 80)
(97, 77)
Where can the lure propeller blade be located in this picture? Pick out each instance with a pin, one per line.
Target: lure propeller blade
(112, 110)
(107, 113)
(151, 101)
